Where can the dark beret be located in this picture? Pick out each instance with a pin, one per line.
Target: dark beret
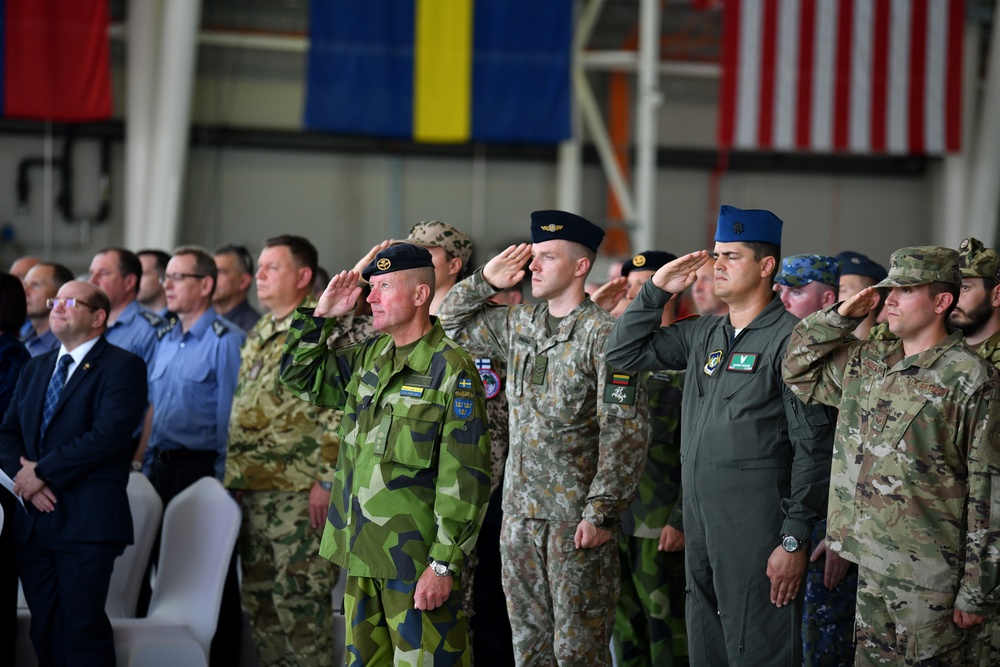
(398, 257)
(650, 260)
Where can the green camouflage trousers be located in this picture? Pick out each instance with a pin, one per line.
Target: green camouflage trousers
(901, 624)
(649, 619)
(383, 628)
(561, 599)
(286, 583)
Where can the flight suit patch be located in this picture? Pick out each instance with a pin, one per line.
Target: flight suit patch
(742, 362)
(714, 359)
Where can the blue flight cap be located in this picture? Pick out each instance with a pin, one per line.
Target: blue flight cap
(856, 264)
(549, 225)
(748, 226)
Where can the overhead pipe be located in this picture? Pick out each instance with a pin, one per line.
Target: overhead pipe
(140, 103)
(984, 195)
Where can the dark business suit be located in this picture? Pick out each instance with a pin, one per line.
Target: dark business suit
(65, 557)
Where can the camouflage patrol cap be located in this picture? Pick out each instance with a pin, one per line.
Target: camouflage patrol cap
(551, 225)
(920, 265)
(437, 234)
(799, 270)
(650, 260)
(398, 257)
(977, 261)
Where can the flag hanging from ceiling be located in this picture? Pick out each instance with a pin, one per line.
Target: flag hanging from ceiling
(844, 76)
(441, 71)
(56, 63)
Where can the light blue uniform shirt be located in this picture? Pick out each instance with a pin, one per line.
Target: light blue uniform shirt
(191, 387)
(36, 344)
(135, 331)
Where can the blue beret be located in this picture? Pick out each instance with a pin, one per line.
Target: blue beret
(748, 226)
(398, 257)
(549, 225)
(650, 260)
(856, 264)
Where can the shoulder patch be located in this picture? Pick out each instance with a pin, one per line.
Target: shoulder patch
(165, 329)
(463, 403)
(619, 388)
(219, 328)
(153, 319)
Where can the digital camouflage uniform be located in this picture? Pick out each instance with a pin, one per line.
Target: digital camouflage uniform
(649, 620)
(411, 483)
(279, 446)
(755, 464)
(914, 473)
(578, 441)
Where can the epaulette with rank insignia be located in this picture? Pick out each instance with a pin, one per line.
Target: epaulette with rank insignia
(219, 328)
(153, 319)
(165, 329)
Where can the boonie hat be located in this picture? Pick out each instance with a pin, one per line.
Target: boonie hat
(799, 270)
(919, 265)
(437, 234)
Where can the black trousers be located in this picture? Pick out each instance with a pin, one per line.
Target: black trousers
(8, 581)
(169, 478)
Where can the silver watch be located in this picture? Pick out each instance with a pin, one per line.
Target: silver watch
(790, 544)
(440, 569)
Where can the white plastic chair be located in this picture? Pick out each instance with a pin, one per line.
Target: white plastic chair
(130, 567)
(200, 527)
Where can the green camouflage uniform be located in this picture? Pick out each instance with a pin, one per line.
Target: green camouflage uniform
(278, 447)
(649, 620)
(412, 479)
(578, 441)
(914, 476)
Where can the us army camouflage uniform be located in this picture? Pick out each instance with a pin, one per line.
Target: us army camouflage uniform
(279, 446)
(412, 478)
(577, 446)
(649, 620)
(915, 472)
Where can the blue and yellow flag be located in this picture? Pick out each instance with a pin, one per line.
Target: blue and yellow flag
(441, 71)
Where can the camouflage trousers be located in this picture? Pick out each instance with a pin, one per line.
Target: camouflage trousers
(561, 599)
(649, 619)
(828, 615)
(901, 624)
(286, 583)
(383, 628)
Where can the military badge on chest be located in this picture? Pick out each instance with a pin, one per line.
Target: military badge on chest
(742, 362)
(538, 369)
(491, 380)
(712, 363)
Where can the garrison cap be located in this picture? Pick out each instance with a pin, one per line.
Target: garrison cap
(398, 257)
(920, 265)
(977, 261)
(437, 234)
(549, 225)
(748, 226)
(650, 260)
(856, 264)
(799, 270)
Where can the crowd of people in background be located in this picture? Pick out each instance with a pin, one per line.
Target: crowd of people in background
(715, 458)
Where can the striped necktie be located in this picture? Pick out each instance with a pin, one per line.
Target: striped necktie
(55, 388)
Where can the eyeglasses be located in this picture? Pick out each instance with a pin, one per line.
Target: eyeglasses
(177, 277)
(67, 302)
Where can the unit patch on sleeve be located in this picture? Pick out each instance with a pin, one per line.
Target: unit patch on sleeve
(463, 404)
(742, 362)
(491, 380)
(620, 388)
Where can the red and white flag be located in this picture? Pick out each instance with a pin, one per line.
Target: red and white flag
(842, 76)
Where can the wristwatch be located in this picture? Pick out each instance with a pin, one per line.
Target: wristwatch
(790, 543)
(440, 569)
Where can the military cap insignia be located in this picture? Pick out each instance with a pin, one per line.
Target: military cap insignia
(737, 228)
(638, 260)
(491, 381)
(855, 260)
(713, 361)
(551, 228)
(383, 264)
(463, 404)
(964, 244)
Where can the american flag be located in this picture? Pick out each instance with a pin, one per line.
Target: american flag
(842, 76)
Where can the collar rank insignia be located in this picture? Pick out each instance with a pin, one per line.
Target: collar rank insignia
(490, 378)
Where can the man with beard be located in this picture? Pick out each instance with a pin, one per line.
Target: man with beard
(977, 314)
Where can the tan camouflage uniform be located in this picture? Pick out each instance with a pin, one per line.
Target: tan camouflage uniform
(578, 442)
(279, 446)
(915, 472)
